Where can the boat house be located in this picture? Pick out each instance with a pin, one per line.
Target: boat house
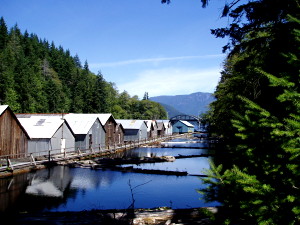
(48, 134)
(135, 130)
(13, 138)
(88, 130)
(182, 126)
(151, 128)
(161, 129)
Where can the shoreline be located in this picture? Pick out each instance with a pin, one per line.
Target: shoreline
(161, 215)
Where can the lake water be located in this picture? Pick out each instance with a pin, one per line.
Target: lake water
(75, 189)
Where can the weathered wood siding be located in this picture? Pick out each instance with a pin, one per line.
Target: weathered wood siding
(13, 139)
(110, 127)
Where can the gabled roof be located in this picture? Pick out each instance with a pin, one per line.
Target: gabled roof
(132, 124)
(166, 122)
(161, 126)
(41, 126)
(103, 117)
(3, 108)
(79, 123)
(150, 123)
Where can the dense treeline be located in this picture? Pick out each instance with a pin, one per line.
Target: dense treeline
(255, 174)
(38, 77)
(256, 170)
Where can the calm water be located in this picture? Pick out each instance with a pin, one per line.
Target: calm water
(76, 189)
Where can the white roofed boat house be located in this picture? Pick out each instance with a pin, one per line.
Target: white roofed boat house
(134, 130)
(47, 133)
(88, 130)
(182, 126)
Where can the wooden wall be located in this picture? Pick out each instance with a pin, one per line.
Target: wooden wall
(13, 139)
(110, 127)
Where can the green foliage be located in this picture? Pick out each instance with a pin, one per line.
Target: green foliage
(255, 174)
(38, 77)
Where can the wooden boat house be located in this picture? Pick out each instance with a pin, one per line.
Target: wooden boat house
(13, 137)
(110, 126)
(161, 129)
(168, 127)
(151, 128)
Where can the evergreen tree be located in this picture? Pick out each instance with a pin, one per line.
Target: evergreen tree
(256, 113)
(3, 34)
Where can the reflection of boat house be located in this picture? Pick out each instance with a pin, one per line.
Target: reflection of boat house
(50, 183)
(151, 128)
(182, 126)
(47, 133)
(135, 130)
(13, 138)
(88, 130)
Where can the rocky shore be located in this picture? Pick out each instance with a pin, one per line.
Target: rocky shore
(120, 217)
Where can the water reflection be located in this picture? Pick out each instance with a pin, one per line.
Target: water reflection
(75, 189)
(148, 152)
(194, 166)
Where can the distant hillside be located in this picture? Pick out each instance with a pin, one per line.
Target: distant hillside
(171, 110)
(193, 104)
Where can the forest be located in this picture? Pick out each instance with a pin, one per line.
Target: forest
(38, 77)
(255, 174)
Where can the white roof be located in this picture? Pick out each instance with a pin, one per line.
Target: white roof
(103, 117)
(3, 108)
(131, 124)
(148, 123)
(166, 122)
(186, 123)
(41, 126)
(79, 123)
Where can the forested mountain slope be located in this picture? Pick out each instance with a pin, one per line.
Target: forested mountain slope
(38, 77)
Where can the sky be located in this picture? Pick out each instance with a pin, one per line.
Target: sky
(139, 45)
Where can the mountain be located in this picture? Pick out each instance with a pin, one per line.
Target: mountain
(192, 104)
(171, 110)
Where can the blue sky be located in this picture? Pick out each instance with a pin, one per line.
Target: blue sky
(140, 45)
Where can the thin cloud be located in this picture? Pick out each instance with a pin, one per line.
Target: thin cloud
(172, 81)
(152, 60)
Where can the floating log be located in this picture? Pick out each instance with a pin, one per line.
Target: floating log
(120, 161)
(192, 156)
(149, 171)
